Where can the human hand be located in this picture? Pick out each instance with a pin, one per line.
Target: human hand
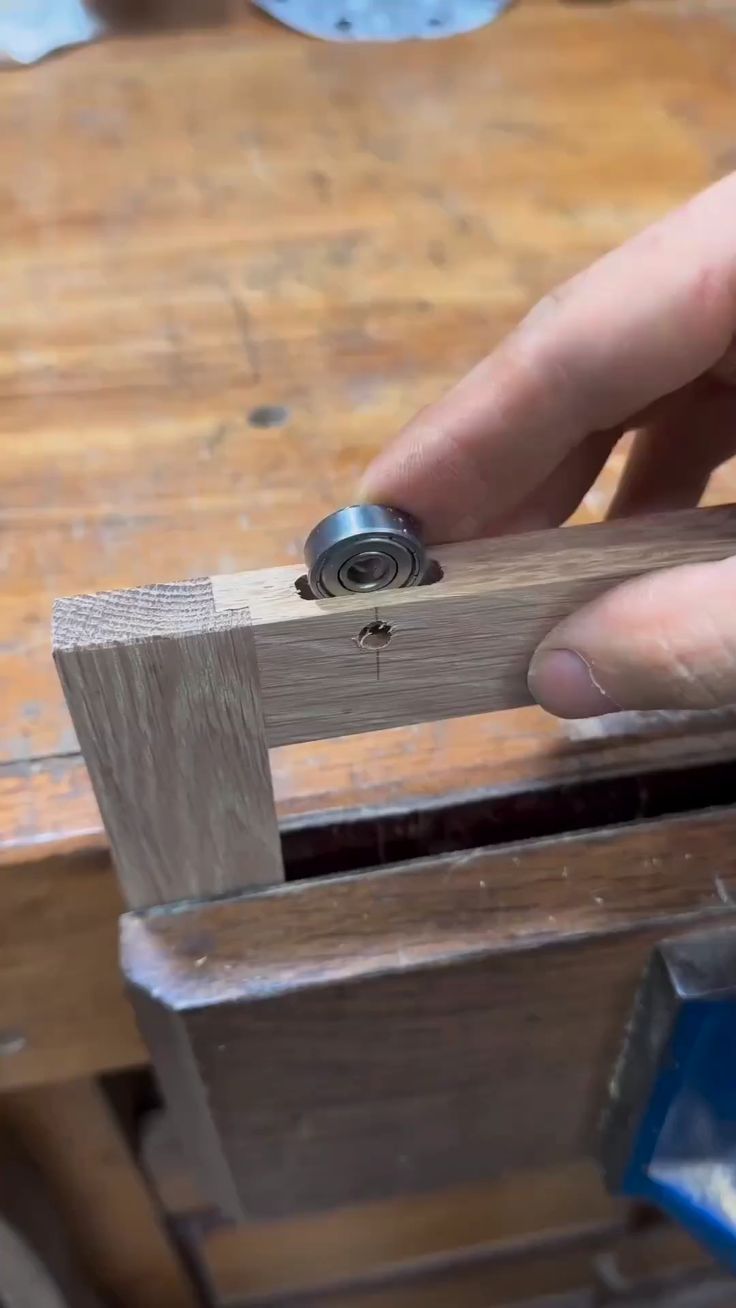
(643, 340)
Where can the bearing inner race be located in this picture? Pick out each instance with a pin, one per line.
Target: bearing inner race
(363, 549)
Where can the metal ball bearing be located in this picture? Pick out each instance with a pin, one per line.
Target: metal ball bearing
(362, 549)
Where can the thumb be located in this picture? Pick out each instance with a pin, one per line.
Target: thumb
(663, 641)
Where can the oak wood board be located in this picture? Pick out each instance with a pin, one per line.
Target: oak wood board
(165, 696)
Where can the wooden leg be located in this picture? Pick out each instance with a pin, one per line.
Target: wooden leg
(164, 694)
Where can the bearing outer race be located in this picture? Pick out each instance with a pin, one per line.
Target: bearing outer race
(355, 530)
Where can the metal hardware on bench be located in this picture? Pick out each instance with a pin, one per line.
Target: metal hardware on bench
(364, 548)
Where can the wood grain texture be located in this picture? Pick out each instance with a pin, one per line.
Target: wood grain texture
(47, 808)
(571, 1269)
(458, 647)
(532, 1231)
(59, 900)
(575, 1271)
(164, 696)
(387, 1032)
(261, 1260)
(169, 685)
(72, 1136)
(63, 1011)
(174, 689)
(158, 288)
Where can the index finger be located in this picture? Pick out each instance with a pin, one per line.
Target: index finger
(640, 323)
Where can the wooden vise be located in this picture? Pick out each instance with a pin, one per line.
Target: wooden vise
(347, 1037)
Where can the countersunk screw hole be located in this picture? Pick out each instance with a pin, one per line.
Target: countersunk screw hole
(376, 635)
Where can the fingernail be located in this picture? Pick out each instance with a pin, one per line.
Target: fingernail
(563, 683)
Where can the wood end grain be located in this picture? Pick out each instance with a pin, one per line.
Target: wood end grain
(122, 617)
(164, 696)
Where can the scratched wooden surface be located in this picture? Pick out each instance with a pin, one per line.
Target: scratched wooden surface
(234, 263)
(204, 234)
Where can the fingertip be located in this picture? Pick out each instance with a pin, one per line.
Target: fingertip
(430, 499)
(665, 640)
(563, 683)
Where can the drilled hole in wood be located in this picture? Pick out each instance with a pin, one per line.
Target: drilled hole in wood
(303, 588)
(376, 635)
(432, 573)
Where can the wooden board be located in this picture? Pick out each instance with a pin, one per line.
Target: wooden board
(176, 688)
(460, 646)
(174, 260)
(63, 1012)
(48, 808)
(566, 1275)
(355, 1244)
(356, 1038)
(505, 1240)
(165, 698)
(566, 1272)
(258, 1259)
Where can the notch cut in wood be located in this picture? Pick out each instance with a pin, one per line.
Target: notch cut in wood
(176, 691)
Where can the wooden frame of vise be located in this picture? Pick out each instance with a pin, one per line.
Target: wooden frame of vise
(426, 1023)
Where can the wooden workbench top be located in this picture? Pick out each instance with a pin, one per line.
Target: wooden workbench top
(234, 262)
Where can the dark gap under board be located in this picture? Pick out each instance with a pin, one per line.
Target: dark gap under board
(324, 845)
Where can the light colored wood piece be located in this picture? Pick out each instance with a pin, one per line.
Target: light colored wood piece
(163, 692)
(458, 647)
(176, 689)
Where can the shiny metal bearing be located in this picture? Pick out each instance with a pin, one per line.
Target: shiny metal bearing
(364, 548)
